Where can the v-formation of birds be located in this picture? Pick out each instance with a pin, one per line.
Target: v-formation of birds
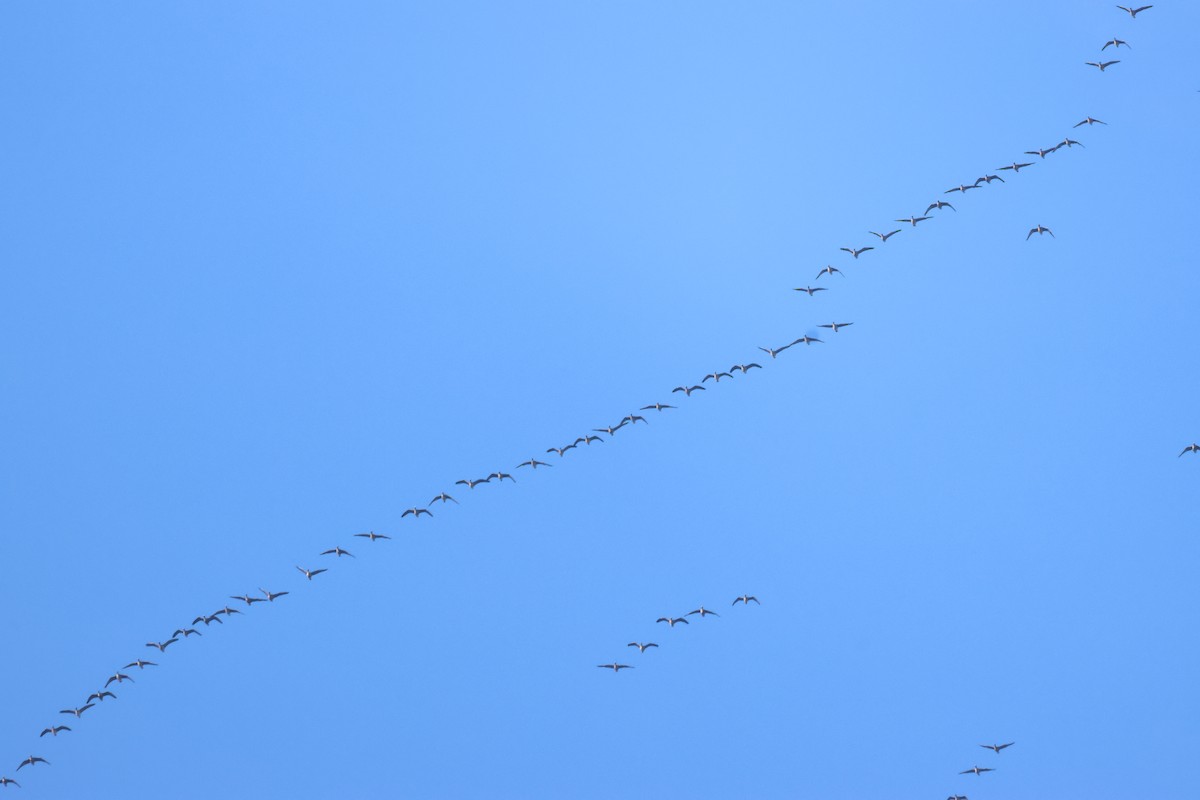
(221, 615)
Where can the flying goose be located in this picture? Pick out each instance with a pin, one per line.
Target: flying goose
(53, 731)
(957, 797)
(271, 595)
(140, 664)
(776, 351)
(746, 598)
(99, 696)
(119, 678)
(470, 484)
(33, 760)
(1115, 43)
(656, 407)
(416, 512)
(687, 390)
(997, 747)
(309, 573)
(533, 462)
(6, 781)
(1015, 167)
(716, 376)
(227, 611)
(883, 237)
(810, 290)
(587, 440)
(1133, 12)
(858, 252)
(807, 340)
(186, 632)
(1039, 230)
(672, 620)
(207, 620)
(336, 551)
(615, 667)
(1067, 143)
(634, 419)
(1089, 121)
(1102, 65)
(829, 270)
(611, 430)
(500, 476)
(744, 368)
(443, 497)
(961, 188)
(78, 712)
(641, 647)
(1041, 152)
(1191, 448)
(914, 220)
(939, 205)
(560, 450)
(247, 599)
(836, 325)
(989, 179)
(162, 646)
(703, 612)
(372, 535)
(977, 770)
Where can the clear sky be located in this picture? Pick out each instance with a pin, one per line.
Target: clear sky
(274, 272)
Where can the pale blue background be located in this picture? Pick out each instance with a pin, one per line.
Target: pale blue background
(273, 272)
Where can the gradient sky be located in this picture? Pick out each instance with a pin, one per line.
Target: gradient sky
(274, 272)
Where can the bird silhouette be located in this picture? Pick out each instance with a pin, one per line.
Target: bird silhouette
(372, 535)
(641, 647)
(914, 220)
(1133, 12)
(836, 325)
(1015, 167)
(672, 620)
(746, 598)
(99, 696)
(883, 237)
(31, 761)
(810, 290)
(977, 770)
(53, 731)
(443, 498)
(1039, 230)
(858, 252)
(534, 463)
(311, 573)
(337, 551)
(997, 747)
(806, 339)
(1089, 121)
(140, 664)
(162, 646)
(829, 270)
(470, 484)
(776, 351)
(1191, 448)
(1116, 43)
(687, 390)
(1101, 65)
(656, 407)
(119, 678)
(77, 712)
(939, 205)
(271, 595)
(615, 667)
(703, 612)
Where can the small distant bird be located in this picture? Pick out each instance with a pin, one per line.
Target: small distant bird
(1102, 65)
(716, 376)
(883, 237)
(977, 770)
(77, 712)
(703, 612)
(989, 179)
(656, 407)
(310, 573)
(829, 270)
(957, 797)
(1115, 43)
(939, 205)
(207, 620)
(227, 611)
(533, 462)
(119, 678)
(587, 440)
(1040, 152)
(615, 667)
(807, 340)
(162, 646)
(416, 512)
(672, 620)
(914, 220)
(687, 390)
(774, 352)
(372, 535)
(1015, 167)
(186, 632)
(836, 325)
(500, 476)
(1039, 230)
(336, 551)
(858, 252)
(1089, 121)
(997, 747)
(961, 188)
(1067, 143)
(1191, 448)
(611, 430)
(470, 484)
(744, 368)
(634, 419)
(560, 450)
(247, 599)
(6, 781)
(99, 696)
(810, 290)
(33, 760)
(641, 647)
(443, 498)
(53, 731)
(1133, 12)
(140, 664)
(746, 598)
(271, 595)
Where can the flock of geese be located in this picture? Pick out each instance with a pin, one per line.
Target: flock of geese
(226, 613)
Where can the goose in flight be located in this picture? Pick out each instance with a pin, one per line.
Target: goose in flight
(587, 440)
(836, 325)
(335, 551)
(207, 620)
(470, 484)
(247, 599)
(858, 252)
(162, 646)
(774, 352)
(1041, 152)
(372, 535)
(977, 770)
(99, 696)
(744, 368)
(810, 290)
(1015, 167)
(271, 595)
(6, 781)
(914, 220)
(989, 179)
(53, 731)
(560, 450)
(77, 712)
(716, 376)
(416, 512)
(1039, 230)
(1191, 448)
(310, 573)
(611, 430)
(500, 476)
(1089, 121)
(807, 340)
(671, 620)
(443, 498)
(997, 747)
(939, 205)
(641, 647)
(119, 678)
(227, 611)
(533, 462)
(1115, 43)
(615, 667)
(703, 612)
(830, 270)
(140, 664)
(883, 237)
(1102, 65)
(634, 419)
(1133, 12)
(656, 407)
(33, 760)
(961, 188)
(186, 632)
(1067, 143)
(957, 797)
(746, 598)
(687, 390)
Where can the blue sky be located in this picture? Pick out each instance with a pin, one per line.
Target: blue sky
(275, 272)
